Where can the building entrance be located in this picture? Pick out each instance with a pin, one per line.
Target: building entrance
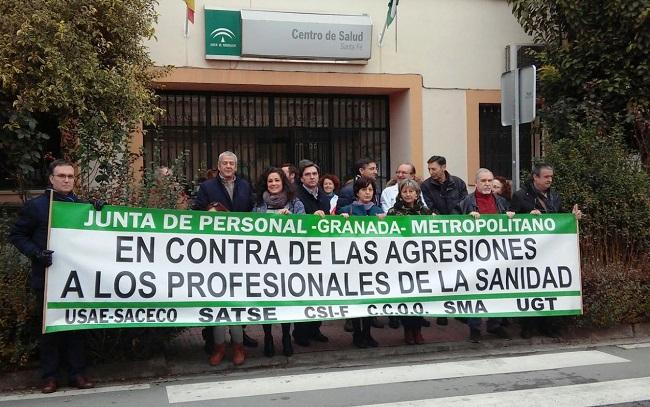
(270, 129)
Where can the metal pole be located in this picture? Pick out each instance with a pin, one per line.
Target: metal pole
(515, 121)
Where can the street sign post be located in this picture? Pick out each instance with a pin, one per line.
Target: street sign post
(518, 95)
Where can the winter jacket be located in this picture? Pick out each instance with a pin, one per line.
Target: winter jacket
(29, 234)
(529, 198)
(442, 198)
(468, 204)
(213, 190)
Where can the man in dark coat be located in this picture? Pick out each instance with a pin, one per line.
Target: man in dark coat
(442, 192)
(225, 192)
(29, 235)
(364, 167)
(537, 197)
(483, 201)
(317, 203)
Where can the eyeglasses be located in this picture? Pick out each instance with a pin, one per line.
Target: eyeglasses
(63, 176)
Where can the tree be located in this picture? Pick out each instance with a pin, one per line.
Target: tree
(83, 61)
(596, 58)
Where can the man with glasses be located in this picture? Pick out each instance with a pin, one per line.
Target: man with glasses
(389, 195)
(29, 235)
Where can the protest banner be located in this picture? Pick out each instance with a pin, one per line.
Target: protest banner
(134, 267)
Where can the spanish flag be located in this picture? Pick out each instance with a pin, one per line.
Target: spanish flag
(190, 10)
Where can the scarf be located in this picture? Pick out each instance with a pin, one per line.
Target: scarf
(275, 201)
(366, 206)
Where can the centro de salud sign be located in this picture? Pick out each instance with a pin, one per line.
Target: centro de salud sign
(286, 35)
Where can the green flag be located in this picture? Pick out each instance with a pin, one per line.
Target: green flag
(391, 14)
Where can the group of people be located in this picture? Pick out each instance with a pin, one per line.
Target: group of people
(288, 189)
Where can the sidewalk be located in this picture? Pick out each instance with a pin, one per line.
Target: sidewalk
(185, 356)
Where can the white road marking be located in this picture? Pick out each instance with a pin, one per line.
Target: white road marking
(635, 345)
(578, 395)
(368, 377)
(66, 393)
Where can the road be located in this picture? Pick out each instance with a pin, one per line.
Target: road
(563, 376)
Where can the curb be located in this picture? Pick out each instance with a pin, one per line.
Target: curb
(170, 367)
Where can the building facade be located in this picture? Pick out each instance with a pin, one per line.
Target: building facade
(432, 88)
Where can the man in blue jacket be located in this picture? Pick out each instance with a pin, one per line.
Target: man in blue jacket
(225, 192)
(29, 235)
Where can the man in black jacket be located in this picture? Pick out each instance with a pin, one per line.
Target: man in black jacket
(442, 192)
(29, 235)
(317, 203)
(536, 197)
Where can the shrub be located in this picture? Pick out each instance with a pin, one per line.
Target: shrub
(18, 330)
(597, 171)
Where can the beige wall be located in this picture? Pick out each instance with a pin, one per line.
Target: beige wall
(456, 47)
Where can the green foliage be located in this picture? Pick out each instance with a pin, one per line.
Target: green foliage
(21, 144)
(85, 63)
(597, 171)
(596, 57)
(18, 328)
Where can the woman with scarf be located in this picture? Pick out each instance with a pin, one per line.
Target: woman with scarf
(363, 205)
(409, 203)
(277, 195)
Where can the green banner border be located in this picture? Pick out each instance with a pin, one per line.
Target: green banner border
(67, 215)
(523, 314)
(342, 301)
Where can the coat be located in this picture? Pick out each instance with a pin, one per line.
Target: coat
(468, 204)
(213, 190)
(29, 233)
(313, 203)
(527, 199)
(359, 210)
(442, 198)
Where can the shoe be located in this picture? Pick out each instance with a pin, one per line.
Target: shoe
(301, 341)
(500, 332)
(249, 342)
(238, 354)
(372, 343)
(287, 347)
(409, 337)
(393, 322)
(319, 337)
(359, 341)
(419, 339)
(348, 327)
(269, 347)
(376, 323)
(474, 335)
(526, 333)
(49, 386)
(442, 321)
(217, 354)
(81, 382)
(426, 323)
(550, 332)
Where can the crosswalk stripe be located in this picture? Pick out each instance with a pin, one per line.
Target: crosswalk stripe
(577, 395)
(635, 345)
(376, 376)
(65, 393)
